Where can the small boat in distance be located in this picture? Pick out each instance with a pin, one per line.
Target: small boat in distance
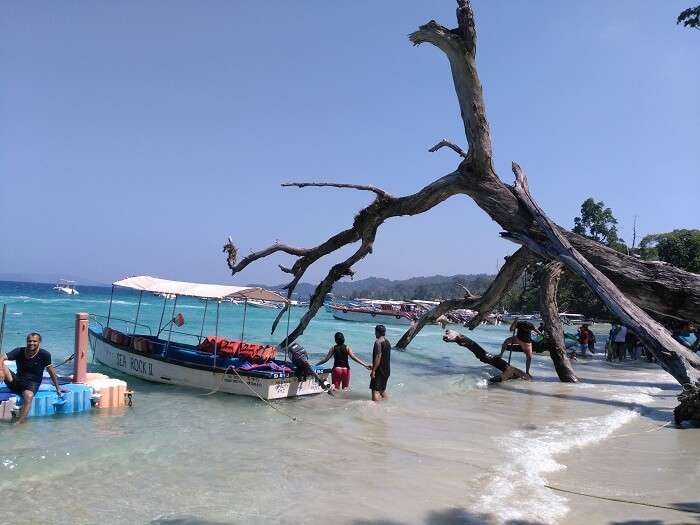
(66, 287)
(378, 311)
(259, 303)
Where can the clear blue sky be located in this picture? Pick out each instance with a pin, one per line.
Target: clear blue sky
(136, 136)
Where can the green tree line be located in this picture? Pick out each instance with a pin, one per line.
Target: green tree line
(681, 248)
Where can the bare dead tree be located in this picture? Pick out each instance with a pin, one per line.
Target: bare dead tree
(656, 287)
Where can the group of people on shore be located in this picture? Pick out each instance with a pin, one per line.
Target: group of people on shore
(621, 344)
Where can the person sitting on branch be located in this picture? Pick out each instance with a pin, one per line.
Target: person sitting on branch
(522, 338)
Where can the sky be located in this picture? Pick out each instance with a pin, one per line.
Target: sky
(135, 137)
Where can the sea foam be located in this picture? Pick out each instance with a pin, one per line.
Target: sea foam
(517, 490)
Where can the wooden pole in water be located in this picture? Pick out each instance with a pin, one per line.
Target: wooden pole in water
(80, 349)
(2, 325)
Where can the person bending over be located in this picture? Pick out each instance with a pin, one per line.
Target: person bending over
(381, 364)
(340, 375)
(31, 361)
(300, 360)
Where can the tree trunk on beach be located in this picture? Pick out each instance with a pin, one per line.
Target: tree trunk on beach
(507, 371)
(554, 331)
(625, 284)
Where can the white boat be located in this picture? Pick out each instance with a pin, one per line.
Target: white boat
(66, 287)
(222, 365)
(567, 318)
(378, 312)
(260, 303)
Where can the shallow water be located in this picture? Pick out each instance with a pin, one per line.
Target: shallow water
(443, 449)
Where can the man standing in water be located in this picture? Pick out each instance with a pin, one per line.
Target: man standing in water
(381, 364)
(31, 361)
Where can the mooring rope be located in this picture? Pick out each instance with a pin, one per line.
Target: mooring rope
(621, 500)
(221, 380)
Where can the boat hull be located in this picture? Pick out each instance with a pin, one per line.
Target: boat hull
(158, 371)
(370, 317)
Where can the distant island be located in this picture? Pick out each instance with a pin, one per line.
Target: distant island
(434, 287)
(429, 288)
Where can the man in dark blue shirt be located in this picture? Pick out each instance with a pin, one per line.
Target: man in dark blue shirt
(31, 362)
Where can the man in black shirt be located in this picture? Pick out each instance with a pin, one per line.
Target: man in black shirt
(381, 364)
(31, 362)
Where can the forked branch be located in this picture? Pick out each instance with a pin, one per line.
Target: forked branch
(510, 271)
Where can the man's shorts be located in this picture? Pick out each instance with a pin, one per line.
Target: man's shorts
(19, 385)
(378, 383)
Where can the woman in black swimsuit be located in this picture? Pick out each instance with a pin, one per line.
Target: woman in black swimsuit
(340, 375)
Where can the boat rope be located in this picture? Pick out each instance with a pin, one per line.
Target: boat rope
(621, 500)
(233, 368)
(70, 357)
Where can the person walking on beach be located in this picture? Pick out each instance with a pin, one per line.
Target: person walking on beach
(340, 375)
(522, 338)
(31, 361)
(381, 364)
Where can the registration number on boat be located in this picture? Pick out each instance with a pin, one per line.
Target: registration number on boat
(135, 364)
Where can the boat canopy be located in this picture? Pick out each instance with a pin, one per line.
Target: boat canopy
(146, 283)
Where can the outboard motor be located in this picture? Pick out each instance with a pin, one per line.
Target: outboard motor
(300, 360)
(297, 354)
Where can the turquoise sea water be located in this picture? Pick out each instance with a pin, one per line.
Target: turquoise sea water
(443, 441)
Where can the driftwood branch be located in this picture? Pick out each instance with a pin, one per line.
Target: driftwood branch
(507, 371)
(673, 357)
(513, 268)
(274, 248)
(281, 313)
(446, 143)
(364, 187)
(431, 316)
(510, 271)
(554, 331)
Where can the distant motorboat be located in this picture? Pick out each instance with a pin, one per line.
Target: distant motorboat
(378, 312)
(66, 287)
(168, 296)
(255, 303)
